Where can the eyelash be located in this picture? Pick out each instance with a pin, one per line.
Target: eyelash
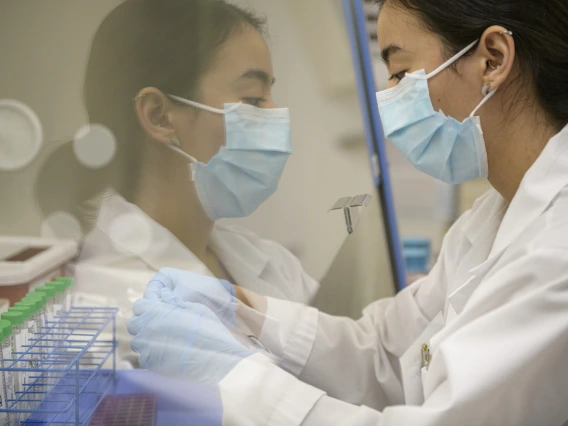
(254, 101)
(399, 76)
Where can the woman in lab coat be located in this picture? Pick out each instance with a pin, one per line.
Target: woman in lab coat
(483, 339)
(173, 82)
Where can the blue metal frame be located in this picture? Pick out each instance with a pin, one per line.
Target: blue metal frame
(356, 26)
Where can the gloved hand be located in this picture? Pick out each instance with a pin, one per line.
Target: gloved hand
(217, 295)
(177, 338)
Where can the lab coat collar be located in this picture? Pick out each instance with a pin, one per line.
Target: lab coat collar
(489, 211)
(164, 249)
(538, 189)
(238, 254)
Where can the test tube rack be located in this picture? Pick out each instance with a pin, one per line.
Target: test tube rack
(63, 369)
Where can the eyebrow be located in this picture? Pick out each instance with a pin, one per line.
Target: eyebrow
(260, 75)
(388, 51)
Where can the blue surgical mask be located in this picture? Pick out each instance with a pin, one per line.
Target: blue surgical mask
(247, 170)
(436, 144)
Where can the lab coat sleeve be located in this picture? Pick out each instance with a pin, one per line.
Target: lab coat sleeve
(502, 362)
(354, 361)
(289, 332)
(257, 392)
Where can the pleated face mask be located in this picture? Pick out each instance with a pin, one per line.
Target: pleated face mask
(247, 170)
(451, 151)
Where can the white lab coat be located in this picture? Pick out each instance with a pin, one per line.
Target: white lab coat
(493, 311)
(126, 249)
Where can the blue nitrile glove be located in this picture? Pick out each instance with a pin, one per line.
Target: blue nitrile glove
(217, 295)
(183, 339)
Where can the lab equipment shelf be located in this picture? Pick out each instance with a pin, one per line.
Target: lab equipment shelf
(62, 370)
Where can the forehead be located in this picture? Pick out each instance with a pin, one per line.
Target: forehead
(400, 27)
(243, 51)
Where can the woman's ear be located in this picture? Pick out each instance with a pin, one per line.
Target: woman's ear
(154, 112)
(497, 49)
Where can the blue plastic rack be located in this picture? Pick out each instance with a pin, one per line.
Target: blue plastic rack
(62, 370)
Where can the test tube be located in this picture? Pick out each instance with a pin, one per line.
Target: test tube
(3, 389)
(6, 353)
(59, 305)
(32, 305)
(24, 347)
(55, 334)
(49, 308)
(59, 300)
(41, 300)
(27, 315)
(27, 333)
(17, 320)
(69, 284)
(35, 305)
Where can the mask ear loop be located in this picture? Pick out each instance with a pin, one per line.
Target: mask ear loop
(206, 107)
(487, 97)
(445, 64)
(452, 60)
(175, 146)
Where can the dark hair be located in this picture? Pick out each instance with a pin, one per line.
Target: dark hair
(167, 44)
(540, 30)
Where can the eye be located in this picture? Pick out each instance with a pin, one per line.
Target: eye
(254, 101)
(398, 76)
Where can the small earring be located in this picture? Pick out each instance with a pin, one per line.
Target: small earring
(175, 141)
(485, 90)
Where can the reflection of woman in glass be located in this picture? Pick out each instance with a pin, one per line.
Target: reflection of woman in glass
(180, 82)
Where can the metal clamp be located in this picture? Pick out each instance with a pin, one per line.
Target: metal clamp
(351, 207)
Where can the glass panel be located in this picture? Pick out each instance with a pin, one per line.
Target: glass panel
(91, 152)
(76, 159)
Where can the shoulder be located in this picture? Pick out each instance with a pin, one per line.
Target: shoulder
(550, 230)
(536, 262)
